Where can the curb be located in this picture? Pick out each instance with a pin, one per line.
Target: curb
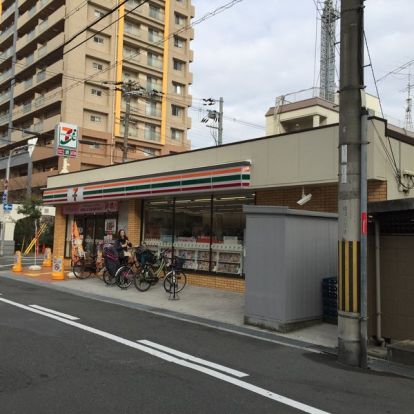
(223, 326)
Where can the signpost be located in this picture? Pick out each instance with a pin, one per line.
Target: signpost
(7, 207)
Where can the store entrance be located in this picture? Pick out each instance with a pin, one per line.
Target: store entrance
(92, 229)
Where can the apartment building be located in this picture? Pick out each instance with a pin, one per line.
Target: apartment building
(45, 79)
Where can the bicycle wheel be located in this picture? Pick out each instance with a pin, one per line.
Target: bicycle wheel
(108, 278)
(79, 270)
(142, 280)
(180, 279)
(124, 276)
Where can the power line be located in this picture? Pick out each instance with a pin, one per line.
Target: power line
(110, 24)
(164, 40)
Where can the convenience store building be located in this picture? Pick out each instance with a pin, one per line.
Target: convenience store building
(193, 202)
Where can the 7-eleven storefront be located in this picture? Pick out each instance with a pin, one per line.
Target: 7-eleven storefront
(193, 202)
(198, 213)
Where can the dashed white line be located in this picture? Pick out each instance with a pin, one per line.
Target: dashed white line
(192, 358)
(63, 315)
(166, 357)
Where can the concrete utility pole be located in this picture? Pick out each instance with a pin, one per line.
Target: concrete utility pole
(220, 123)
(13, 71)
(127, 94)
(349, 186)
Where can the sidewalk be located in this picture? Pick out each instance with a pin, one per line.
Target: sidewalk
(199, 304)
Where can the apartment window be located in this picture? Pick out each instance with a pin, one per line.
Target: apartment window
(98, 13)
(176, 110)
(179, 42)
(97, 66)
(154, 60)
(150, 151)
(131, 28)
(155, 12)
(96, 118)
(98, 39)
(178, 88)
(154, 35)
(152, 109)
(96, 92)
(151, 132)
(177, 134)
(179, 65)
(180, 20)
(153, 84)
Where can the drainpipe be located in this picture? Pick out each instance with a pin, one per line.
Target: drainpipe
(378, 337)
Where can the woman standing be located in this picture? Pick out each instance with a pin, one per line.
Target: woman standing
(122, 243)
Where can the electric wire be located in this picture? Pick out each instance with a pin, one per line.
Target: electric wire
(205, 17)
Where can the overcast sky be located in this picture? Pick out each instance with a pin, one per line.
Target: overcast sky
(260, 49)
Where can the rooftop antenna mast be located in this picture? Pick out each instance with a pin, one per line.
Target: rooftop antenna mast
(329, 17)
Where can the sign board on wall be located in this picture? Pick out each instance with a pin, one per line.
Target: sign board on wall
(91, 208)
(66, 140)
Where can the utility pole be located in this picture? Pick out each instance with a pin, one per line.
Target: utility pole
(13, 71)
(217, 117)
(349, 186)
(220, 123)
(127, 94)
(128, 89)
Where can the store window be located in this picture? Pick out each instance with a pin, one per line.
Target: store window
(228, 228)
(193, 231)
(158, 223)
(208, 231)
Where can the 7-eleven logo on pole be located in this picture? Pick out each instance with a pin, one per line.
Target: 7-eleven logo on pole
(66, 140)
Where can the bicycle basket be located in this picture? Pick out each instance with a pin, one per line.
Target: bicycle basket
(145, 256)
(178, 262)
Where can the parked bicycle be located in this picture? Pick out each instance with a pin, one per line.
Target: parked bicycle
(146, 277)
(175, 280)
(87, 265)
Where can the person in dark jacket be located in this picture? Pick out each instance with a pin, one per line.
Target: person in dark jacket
(122, 243)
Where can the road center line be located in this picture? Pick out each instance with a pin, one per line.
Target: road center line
(223, 377)
(63, 315)
(192, 358)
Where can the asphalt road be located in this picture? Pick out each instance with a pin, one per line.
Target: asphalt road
(95, 364)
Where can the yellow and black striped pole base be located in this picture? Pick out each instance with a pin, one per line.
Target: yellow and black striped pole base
(349, 276)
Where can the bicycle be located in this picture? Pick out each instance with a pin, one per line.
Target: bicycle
(145, 277)
(175, 280)
(85, 266)
(128, 271)
(160, 267)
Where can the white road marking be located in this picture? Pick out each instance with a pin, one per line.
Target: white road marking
(63, 315)
(223, 377)
(192, 358)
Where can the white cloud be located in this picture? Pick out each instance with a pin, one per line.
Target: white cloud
(261, 49)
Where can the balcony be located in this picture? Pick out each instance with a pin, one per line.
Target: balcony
(7, 13)
(25, 43)
(48, 98)
(39, 179)
(4, 98)
(4, 119)
(42, 51)
(26, 17)
(6, 34)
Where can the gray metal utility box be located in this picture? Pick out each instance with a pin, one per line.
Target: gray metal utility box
(288, 253)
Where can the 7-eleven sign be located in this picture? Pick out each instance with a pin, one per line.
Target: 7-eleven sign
(66, 140)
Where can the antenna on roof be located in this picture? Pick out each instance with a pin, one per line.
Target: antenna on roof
(329, 17)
